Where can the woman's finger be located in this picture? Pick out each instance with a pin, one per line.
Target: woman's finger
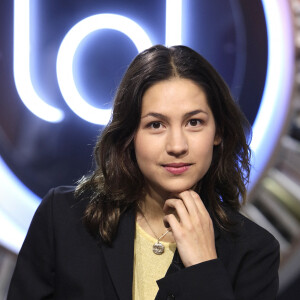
(189, 202)
(180, 208)
(172, 223)
(200, 205)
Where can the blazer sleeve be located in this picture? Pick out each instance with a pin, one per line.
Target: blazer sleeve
(252, 273)
(33, 277)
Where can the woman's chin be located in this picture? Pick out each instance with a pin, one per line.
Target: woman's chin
(176, 191)
(166, 192)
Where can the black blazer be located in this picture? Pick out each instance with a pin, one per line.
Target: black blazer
(61, 260)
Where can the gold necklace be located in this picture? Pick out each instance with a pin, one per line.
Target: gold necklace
(158, 248)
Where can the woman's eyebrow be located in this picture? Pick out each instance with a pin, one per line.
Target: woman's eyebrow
(155, 115)
(166, 118)
(194, 112)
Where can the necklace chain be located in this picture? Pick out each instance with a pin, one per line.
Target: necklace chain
(158, 238)
(158, 248)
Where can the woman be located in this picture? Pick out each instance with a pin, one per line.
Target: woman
(159, 215)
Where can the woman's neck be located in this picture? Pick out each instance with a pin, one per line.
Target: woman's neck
(151, 213)
(152, 205)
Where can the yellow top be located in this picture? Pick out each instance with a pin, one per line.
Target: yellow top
(148, 267)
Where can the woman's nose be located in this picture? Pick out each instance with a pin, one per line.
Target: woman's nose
(176, 144)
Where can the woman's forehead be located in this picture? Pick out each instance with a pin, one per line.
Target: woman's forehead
(176, 93)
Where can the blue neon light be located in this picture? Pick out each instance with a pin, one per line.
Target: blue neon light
(66, 53)
(173, 22)
(22, 75)
(278, 87)
(17, 206)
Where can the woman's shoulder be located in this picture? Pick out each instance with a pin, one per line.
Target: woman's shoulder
(63, 195)
(61, 192)
(61, 201)
(247, 232)
(60, 196)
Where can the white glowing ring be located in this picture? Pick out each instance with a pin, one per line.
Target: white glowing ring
(278, 87)
(17, 205)
(69, 45)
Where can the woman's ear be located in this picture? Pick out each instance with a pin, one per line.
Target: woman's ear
(217, 140)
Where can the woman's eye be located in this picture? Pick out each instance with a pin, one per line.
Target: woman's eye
(195, 122)
(155, 125)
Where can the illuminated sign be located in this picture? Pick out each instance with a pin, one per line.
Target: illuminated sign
(66, 54)
(19, 200)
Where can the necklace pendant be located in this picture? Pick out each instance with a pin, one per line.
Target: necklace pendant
(158, 248)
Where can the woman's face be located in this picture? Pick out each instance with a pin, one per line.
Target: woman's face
(176, 135)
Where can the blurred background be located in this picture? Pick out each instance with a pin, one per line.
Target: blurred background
(62, 60)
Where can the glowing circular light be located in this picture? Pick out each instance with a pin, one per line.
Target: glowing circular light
(17, 205)
(278, 87)
(67, 51)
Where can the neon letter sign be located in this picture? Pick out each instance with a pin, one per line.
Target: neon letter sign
(22, 75)
(66, 54)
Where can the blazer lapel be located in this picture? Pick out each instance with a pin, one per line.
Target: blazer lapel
(119, 257)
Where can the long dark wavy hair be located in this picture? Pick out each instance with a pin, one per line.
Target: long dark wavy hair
(117, 182)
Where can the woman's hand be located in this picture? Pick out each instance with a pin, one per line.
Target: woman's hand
(192, 229)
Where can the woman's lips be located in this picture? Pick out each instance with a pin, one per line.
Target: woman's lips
(177, 168)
